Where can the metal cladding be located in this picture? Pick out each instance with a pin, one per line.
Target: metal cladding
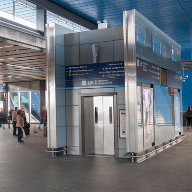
(130, 81)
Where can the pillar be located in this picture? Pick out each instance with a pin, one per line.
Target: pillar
(55, 83)
(130, 81)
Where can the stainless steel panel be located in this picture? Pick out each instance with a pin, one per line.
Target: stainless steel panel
(105, 53)
(122, 143)
(72, 136)
(72, 55)
(108, 126)
(72, 116)
(50, 82)
(72, 97)
(122, 152)
(119, 50)
(94, 36)
(120, 95)
(118, 33)
(102, 90)
(72, 39)
(99, 126)
(88, 125)
(130, 81)
(74, 151)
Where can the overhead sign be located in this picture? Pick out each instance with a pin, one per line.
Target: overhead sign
(95, 75)
(173, 79)
(148, 71)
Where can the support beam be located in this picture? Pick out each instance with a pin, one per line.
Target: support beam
(41, 20)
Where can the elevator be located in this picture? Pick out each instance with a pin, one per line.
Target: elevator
(98, 125)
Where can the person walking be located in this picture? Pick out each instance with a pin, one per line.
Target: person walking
(20, 124)
(14, 120)
(188, 116)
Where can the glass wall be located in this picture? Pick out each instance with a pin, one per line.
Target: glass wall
(35, 106)
(24, 101)
(30, 100)
(13, 100)
(164, 114)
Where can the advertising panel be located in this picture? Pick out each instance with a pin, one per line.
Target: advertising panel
(148, 117)
(177, 112)
(95, 75)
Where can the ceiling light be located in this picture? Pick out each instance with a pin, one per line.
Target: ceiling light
(2, 59)
(11, 58)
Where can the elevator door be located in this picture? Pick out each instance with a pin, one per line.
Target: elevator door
(103, 125)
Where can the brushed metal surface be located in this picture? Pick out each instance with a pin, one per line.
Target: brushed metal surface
(118, 33)
(118, 50)
(95, 36)
(99, 126)
(130, 81)
(51, 92)
(72, 39)
(72, 115)
(72, 55)
(88, 125)
(108, 126)
(105, 52)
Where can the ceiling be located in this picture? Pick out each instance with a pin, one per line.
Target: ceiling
(174, 17)
(18, 63)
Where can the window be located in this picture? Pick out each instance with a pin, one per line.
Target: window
(174, 56)
(53, 18)
(158, 46)
(20, 11)
(140, 34)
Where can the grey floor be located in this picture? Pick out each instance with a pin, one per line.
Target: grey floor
(26, 167)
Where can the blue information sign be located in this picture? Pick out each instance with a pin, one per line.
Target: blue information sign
(95, 75)
(147, 71)
(173, 79)
(112, 75)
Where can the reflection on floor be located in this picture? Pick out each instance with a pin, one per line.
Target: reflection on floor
(27, 167)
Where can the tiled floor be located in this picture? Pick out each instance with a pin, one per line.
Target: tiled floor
(26, 167)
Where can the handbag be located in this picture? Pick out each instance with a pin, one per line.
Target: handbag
(24, 135)
(21, 134)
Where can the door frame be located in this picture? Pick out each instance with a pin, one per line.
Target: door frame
(115, 117)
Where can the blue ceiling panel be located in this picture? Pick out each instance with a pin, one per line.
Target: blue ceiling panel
(174, 17)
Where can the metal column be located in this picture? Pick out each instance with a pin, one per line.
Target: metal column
(51, 90)
(130, 81)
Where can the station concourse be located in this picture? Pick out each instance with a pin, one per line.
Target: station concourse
(105, 96)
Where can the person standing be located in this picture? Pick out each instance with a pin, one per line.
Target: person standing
(14, 120)
(188, 116)
(20, 124)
